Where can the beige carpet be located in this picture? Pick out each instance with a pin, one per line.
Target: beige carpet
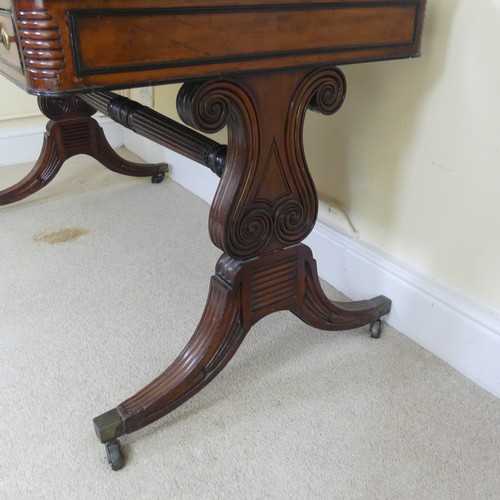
(297, 414)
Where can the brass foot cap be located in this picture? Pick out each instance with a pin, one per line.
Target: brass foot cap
(109, 426)
(382, 304)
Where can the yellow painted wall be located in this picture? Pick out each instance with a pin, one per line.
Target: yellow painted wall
(414, 154)
(16, 103)
(416, 150)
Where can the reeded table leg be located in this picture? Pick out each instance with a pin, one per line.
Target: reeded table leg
(241, 293)
(317, 310)
(266, 204)
(72, 131)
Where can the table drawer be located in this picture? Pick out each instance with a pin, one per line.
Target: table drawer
(10, 60)
(190, 42)
(67, 45)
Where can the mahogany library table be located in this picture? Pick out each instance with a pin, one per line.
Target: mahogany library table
(255, 66)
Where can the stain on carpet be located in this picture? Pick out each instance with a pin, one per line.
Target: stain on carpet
(62, 236)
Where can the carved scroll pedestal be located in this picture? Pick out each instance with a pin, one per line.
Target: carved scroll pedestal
(71, 131)
(266, 204)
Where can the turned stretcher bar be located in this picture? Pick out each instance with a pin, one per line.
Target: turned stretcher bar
(159, 128)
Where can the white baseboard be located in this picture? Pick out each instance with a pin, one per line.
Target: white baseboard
(460, 330)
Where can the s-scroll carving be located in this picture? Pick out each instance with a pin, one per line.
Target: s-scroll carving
(266, 199)
(239, 231)
(323, 91)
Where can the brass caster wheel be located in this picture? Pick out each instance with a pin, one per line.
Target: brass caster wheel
(115, 455)
(376, 329)
(158, 178)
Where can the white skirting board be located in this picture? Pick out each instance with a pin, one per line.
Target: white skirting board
(460, 330)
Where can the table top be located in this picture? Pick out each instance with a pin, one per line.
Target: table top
(54, 46)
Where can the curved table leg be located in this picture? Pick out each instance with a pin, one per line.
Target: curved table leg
(319, 311)
(101, 150)
(44, 170)
(215, 341)
(72, 131)
(241, 293)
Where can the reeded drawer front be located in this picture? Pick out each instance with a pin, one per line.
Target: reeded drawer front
(233, 37)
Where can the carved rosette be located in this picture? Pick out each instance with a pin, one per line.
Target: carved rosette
(64, 107)
(41, 45)
(266, 199)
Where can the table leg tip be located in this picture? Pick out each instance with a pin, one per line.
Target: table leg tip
(109, 426)
(383, 305)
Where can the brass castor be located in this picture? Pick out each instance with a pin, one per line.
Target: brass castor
(376, 329)
(115, 455)
(158, 178)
